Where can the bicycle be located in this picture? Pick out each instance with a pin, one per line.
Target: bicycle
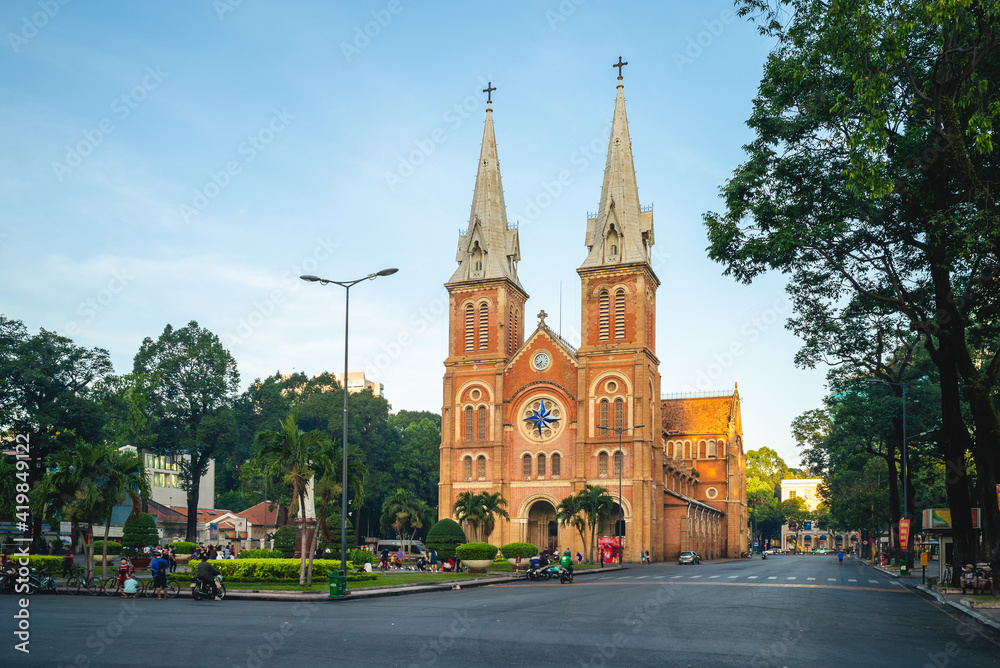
(41, 581)
(149, 591)
(76, 580)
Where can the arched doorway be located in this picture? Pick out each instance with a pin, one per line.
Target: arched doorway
(543, 531)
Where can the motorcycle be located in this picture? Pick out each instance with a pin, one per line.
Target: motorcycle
(201, 589)
(763, 555)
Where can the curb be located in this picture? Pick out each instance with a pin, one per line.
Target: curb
(400, 590)
(975, 614)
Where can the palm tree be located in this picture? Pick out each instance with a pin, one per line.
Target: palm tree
(122, 476)
(294, 453)
(329, 486)
(468, 510)
(595, 501)
(71, 488)
(569, 513)
(493, 505)
(423, 515)
(400, 510)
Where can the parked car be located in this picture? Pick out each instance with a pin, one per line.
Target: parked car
(689, 558)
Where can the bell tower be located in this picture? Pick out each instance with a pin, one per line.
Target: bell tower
(485, 330)
(619, 379)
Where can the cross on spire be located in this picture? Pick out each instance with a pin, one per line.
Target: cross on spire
(541, 317)
(489, 91)
(620, 65)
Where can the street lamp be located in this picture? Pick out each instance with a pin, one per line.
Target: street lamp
(347, 285)
(621, 465)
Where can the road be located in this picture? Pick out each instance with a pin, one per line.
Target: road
(785, 611)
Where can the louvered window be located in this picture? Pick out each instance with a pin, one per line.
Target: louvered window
(484, 326)
(526, 465)
(603, 314)
(470, 327)
(510, 330)
(468, 423)
(467, 465)
(482, 423)
(619, 413)
(602, 465)
(620, 314)
(556, 465)
(481, 468)
(517, 333)
(541, 466)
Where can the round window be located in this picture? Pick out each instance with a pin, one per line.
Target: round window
(541, 419)
(711, 492)
(475, 394)
(612, 386)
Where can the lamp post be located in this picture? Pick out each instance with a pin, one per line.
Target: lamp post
(621, 465)
(347, 285)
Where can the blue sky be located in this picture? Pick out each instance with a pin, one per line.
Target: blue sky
(169, 162)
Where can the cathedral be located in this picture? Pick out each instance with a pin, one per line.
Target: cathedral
(535, 418)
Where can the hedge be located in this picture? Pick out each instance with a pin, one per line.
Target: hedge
(270, 570)
(53, 564)
(260, 554)
(476, 551)
(140, 531)
(183, 547)
(514, 550)
(113, 547)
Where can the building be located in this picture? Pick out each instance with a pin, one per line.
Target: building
(356, 382)
(811, 535)
(165, 479)
(534, 418)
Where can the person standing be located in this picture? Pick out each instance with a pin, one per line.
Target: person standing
(434, 560)
(125, 572)
(172, 559)
(67, 562)
(158, 567)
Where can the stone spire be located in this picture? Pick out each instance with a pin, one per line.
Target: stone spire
(622, 232)
(489, 249)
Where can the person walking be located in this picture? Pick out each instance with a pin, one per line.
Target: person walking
(67, 562)
(840, 556)
(158, 567)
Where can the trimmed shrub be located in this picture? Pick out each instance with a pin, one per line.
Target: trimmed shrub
(53, 564)
(515, 550)
(183, 547)
(476, 551)
(260, 554)
(113, 547)
(140, 531)
(284, 541)
(270, 570)
(444, 537)
(362, 557)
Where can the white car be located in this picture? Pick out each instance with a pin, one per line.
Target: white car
(689, 558)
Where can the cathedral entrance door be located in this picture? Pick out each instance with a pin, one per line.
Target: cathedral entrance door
(542, 528)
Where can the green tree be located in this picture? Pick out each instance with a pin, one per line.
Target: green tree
(570, 512)
(767, 466)
(468, 510)
(284, 540)
(444, 537)
(493, 506)
(598, 505)
(195, 387)
(123, 478)
(402, 512)
(869, 176)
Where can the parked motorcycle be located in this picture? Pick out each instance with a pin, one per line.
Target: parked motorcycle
(201, 589)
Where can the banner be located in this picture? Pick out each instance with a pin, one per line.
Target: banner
(904, 534)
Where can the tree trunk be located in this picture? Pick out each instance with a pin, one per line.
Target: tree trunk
(304, 540)
(987, 445)
(191, 529)
(90, 548)
(104, 549)
(313, 545)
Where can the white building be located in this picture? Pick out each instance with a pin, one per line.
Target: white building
(811, 535)
(356, 382)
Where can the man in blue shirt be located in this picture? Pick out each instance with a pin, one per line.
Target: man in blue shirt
(158, 567)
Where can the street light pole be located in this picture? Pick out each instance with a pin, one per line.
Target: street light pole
(347, 285)
(621, 465)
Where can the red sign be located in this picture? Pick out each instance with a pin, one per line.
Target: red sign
(610, 547)
(904, 534)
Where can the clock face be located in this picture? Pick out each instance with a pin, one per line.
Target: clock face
(541, 361)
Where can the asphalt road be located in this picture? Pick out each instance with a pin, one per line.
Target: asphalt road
(785, 611)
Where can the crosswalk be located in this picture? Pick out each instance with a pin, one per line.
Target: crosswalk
(735, 579)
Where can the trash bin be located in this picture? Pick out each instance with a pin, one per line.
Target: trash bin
(903, 570)
(338, 584)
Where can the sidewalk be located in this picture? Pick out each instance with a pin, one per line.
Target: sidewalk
(391, 590)
(988, 616)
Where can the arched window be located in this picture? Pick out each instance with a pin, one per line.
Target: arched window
(517, 333)
(687, 449)
(526, 465)
(701, 450)
(711, 449)
(618, 463)
(602, 465)
(603, 417)
(482, 423)
(470, 327)
(679, 450)
(620, 313)
(468, 423)
(619, 413)
(467, 466)
(721, 449)
(541, 467)
(481, 467)
(556, 465)
(603, 315)
(484, 326)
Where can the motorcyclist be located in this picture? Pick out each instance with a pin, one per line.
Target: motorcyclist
(207, 573)
(566, 561)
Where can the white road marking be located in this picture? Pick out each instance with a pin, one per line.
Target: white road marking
(875, 582)
(810, 578)
(658, 577)
(851, 580)
(712, 577)
(641, 577)
(791, 577)
(674, 577)
(695, 577)
(733, 577)
(772, 577)
(831, 579)
(751, 577)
